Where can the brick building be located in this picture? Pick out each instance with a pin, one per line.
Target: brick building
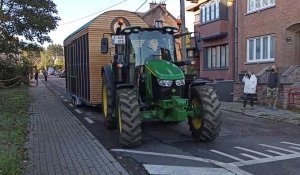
(214, 30)
(267, 33)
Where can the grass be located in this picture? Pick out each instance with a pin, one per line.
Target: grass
(14, 118)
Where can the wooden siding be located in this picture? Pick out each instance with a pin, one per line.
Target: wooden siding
(96, 30)
(100, 25)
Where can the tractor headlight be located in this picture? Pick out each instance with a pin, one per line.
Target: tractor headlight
(180, 82)
(166, 83)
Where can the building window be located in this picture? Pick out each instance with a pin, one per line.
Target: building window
(210, 11)
(261, 49)
(217, 57)
(255, 5)
(197, 17)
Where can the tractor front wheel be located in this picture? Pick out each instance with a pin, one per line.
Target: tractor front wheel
(128, 110)
(206, 124)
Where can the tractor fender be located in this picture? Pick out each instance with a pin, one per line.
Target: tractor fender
(198, 82)
(123, 86)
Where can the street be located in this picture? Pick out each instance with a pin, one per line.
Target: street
(246, 145)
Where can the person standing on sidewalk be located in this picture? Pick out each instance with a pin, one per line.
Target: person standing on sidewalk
(36, 77)
(272, 89)
(45, 75)
(250, 81)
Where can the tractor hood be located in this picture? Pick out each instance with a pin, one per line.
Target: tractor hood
(164, 70)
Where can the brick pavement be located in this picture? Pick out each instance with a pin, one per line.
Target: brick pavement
(60, 144)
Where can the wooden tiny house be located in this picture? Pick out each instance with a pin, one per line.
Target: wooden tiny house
(83, 59)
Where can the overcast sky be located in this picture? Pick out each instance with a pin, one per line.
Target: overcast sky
(70, 10)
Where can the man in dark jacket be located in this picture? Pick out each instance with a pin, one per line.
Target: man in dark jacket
(272, 89)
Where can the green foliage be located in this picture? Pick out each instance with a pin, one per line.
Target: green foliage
(55, 50)
(11, 68)
(14, 118)
(32, 20)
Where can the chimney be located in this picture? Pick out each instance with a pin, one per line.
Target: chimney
(163, 4)
(152, 4)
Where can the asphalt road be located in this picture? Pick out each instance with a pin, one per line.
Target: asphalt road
(245, 146)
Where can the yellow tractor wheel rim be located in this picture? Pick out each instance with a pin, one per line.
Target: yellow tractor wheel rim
(120, 118)
(104, 100)
(197, 121)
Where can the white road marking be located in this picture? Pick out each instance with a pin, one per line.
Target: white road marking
(289, 143)
(252, 151)
(250, 156)
(65, 100)
(62, 96)
(275, 152)
(78, 111)
(58, 93)
(282, 149)
(227, 155)
(184, 170)
(228, 166)
(89, 120)
(297, 148)
(266, 160)
(71, 105)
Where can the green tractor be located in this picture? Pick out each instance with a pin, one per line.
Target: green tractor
(146, 82)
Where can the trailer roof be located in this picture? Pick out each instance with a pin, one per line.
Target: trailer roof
(80, 28)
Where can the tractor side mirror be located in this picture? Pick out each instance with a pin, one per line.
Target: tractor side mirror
(104, 45)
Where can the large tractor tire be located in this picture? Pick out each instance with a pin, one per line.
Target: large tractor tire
(128, 110)
(108, 104)
(206, 124)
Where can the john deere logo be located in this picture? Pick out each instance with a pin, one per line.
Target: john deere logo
(117, 22)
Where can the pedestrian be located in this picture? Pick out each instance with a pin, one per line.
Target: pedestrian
(45, 75)
(272, 88)
(36, 77)
(250, 81)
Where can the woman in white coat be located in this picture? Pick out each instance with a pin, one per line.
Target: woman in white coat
(250, 81)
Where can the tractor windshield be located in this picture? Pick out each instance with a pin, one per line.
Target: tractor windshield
(151, 45)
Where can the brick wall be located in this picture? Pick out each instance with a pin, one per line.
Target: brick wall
(261, 91)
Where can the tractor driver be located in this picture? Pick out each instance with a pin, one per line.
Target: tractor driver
(153, 49)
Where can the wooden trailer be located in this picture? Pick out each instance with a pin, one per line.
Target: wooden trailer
(83, 59)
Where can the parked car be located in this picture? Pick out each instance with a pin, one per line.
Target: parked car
(63, 74)
(51, 70)
(57, 73)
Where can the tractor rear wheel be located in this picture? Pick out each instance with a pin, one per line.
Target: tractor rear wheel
(128, 110)
(206, 124)
(108, 104)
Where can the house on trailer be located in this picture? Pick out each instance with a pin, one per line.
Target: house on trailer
(83, 59)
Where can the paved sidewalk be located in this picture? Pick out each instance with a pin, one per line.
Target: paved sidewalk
(59, 144)
(262, 112)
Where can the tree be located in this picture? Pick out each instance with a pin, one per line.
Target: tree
(55, 50)
(32, 20)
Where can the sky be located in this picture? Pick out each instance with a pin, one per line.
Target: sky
(71, 13)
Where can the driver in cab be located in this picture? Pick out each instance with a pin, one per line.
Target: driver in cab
(153, 49)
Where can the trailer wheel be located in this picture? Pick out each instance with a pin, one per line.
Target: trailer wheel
(128, 110)
(107, 105)
(206, 124)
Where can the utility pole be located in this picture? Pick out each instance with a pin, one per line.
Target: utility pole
(183, 38)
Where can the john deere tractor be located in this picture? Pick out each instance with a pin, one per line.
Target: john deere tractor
(146, 82)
